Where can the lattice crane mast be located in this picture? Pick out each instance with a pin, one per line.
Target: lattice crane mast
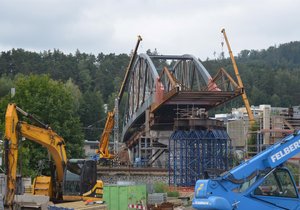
(240, 82)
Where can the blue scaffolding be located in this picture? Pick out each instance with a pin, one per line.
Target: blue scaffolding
(195, 154)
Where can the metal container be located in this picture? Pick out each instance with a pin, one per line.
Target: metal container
(120, 196)
(157, 198)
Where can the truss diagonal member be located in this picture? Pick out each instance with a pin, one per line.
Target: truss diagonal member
(223, 75)
(202, 70)
(172, 79)
(170, 76)
(212, 86)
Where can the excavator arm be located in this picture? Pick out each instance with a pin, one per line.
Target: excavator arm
(11, 153)
(43, 136)
(54, 144)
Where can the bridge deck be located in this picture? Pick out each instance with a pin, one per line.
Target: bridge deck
(206, 99)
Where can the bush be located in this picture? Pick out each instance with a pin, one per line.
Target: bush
(173, 194)
(160, 187)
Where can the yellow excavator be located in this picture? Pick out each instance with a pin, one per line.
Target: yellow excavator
(85, 184)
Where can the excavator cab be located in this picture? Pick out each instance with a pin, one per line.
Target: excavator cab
(81, 180)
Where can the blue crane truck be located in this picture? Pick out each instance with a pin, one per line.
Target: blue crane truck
(261, 182)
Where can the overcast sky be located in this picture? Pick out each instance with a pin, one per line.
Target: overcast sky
(170, 26)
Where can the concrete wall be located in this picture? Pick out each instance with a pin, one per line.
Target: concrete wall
(237, 131)
(138, 179)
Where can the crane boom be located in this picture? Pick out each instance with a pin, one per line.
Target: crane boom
(121, 91)
(103, 144)
(240, 82)
(103, 150)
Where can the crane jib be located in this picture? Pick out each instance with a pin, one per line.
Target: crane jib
(285, 153)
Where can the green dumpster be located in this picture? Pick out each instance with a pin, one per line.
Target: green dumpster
(119, 197)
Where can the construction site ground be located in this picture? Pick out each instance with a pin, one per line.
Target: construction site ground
(81, 205)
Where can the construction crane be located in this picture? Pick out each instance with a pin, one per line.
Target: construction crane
(103, 152)
(240, 82)
(42, 134)
(261, 182)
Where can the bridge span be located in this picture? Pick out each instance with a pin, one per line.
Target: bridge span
(160, 86)
(164, 94)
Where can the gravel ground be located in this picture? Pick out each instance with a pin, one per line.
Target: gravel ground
(184, 208)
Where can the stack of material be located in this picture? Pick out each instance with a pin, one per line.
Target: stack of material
(124, 158)
(121, 159)
(157, 198)
(28, 201)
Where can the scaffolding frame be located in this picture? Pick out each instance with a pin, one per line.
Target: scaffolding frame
(197, 154)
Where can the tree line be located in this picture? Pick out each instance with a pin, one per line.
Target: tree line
(68, 91)
(270, 76)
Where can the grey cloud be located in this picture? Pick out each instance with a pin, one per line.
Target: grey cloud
(171, 26)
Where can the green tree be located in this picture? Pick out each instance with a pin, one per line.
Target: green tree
(110, 67)
(75, 93)
(256, 95)
(92, 114)
(275, 100)
(53, 103)
(5, 85)
(84, 78)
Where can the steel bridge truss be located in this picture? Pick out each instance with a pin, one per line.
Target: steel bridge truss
(158, 82)
(157, 86)
(197, 154)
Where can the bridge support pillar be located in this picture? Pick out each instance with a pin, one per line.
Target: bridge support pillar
(197, 149)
